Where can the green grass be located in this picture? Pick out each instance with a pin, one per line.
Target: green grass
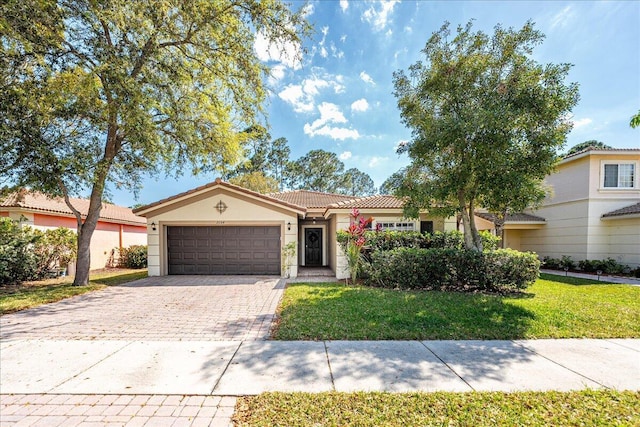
(554, 307)
(583, 408)
(32, 294)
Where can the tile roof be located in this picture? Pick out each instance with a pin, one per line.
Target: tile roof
(515, 217)
(629, 210)
(39, 202)
(310, 199)
(380, 201)
(613, 150)
(221, 183)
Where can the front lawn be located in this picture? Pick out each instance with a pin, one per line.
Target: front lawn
(554, 307)
(582, 408)
(32, 294)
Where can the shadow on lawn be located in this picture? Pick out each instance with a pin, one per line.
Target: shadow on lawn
(344, 313)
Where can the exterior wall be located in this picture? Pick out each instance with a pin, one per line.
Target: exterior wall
(106, 237)
(334, 249)
(201, 211)
(512, 239)
(574, 215)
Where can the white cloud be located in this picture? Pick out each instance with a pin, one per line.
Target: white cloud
(308, 10)
(288, 53)
(379, 18)
(330, 114)
(344, 5)
(360, 105)
(408, 30)
(302, 96)
(343, 38)
(277, 73)
(323, 52)
(582, 122)
(346, 155)
(563, 18)
(367, 78)
(375, 161)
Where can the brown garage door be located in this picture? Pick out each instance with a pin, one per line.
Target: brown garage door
(224, 250)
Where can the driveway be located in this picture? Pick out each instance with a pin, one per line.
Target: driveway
(169, 308)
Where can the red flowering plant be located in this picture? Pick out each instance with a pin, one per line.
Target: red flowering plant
(356, 240)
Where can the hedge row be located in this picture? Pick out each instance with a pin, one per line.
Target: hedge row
(133, 257)
(502, 270)
(389, 240)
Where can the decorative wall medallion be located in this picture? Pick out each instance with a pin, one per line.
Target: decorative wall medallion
(221, 207)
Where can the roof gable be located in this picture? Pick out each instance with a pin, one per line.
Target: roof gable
(310, 199)
(199, 192)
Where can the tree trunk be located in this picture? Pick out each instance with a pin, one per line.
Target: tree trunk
(477, 241)
(86, 229)
(466, 223)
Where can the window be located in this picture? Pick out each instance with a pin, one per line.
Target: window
(397, 226)
(619, 175)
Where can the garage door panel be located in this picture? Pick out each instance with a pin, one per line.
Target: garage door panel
(224, 250)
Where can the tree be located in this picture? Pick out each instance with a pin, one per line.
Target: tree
(584, 145)
(278, 160)
(99, 93)
(256, 181)
(318, 170)
(357, 183)
(635, 121)
(486, 120)
(393, 183)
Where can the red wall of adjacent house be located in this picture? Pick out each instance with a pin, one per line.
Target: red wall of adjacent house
(54, 221)
(4, 214)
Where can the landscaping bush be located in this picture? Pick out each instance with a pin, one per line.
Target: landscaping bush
(17, 259)
(133, 257)
(503, 270)
(388, 240)
(54, 249)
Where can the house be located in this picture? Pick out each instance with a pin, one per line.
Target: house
(221, 228)
(117, 227)
(593, 212)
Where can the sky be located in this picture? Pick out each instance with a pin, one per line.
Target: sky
(339, 96)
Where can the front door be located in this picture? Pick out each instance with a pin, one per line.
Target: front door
(313, 247)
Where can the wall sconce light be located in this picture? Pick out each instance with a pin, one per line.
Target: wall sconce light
(153, 226)
(314, 219)
(289, 226)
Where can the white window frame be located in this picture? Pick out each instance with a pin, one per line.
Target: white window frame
(398, 225)
(603, 163)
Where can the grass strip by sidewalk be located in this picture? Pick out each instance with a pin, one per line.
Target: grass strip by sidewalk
(32, 294)
(363, 409)
(554, 307)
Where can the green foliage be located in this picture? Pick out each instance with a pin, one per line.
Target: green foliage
(95, 94)
(635, 121)
(256, 181)
(503, 270)
(18, 261)
(133, 257)
(388, 240)
(486, 120)
(592, 143)
(288, 256)
(321, 170)
(54, 249)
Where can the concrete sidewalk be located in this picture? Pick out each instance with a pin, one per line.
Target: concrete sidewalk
(626, 280)
(234, 368)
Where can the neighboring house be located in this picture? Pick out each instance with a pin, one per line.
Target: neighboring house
(117, 227)
(594, 211)
(221, 228)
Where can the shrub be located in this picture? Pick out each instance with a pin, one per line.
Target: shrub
(18, 262)
(502, 270)
(133, 257)
(608, 266)
(54, 249)
(388, 240)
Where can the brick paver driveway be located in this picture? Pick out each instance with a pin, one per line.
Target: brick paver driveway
(169, 308)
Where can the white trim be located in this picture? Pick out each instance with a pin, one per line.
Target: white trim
(325, 243)
(603, 163)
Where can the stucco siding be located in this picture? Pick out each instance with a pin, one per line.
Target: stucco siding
(571, 182)
(202, 211)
